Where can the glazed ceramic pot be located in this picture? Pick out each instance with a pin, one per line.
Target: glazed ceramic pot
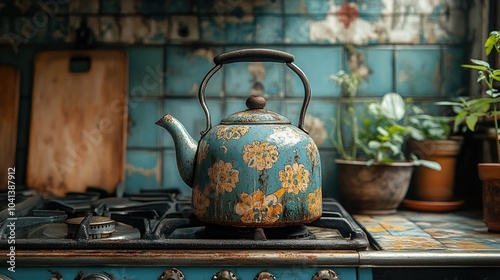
(254, 169)
(377, 189)
(489, 173)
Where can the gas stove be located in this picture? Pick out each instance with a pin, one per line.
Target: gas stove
(153, 235)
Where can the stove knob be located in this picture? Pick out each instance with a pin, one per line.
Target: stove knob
(4, 277)
(225, 275)
(325, 274)
(94, 276)
(264, 275)
(172, 274)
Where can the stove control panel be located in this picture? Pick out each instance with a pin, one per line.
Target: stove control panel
(183, 273)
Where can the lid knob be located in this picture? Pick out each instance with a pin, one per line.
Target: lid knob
(256, 102)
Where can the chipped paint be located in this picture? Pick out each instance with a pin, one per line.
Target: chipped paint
(335, 28)
(257, 70)
(155, 171)
(207, 53)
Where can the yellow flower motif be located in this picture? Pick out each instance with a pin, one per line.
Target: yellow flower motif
(312, 151)
(235, 133)
(294, 178)
(203, 151)
(223, 177)
(260, 155)
(258, 207)
(314, 202)
(200, 201)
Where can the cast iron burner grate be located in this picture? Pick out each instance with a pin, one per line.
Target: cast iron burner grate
(226, 232)
(164, 221)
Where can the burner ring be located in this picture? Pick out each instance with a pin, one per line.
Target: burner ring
(99, 227)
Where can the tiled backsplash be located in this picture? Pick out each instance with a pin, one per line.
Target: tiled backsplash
(411, 47)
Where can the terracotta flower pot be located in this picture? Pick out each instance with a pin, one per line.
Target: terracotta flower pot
(489, 173)
(376, 189)
(433, 185)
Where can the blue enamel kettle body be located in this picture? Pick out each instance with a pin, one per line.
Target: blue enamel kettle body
(254, 169)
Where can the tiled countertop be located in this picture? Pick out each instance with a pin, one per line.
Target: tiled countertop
(441, 239)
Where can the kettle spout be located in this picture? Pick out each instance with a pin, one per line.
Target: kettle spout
(185, 147)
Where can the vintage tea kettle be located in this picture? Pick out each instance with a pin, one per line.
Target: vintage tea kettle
(254, 169)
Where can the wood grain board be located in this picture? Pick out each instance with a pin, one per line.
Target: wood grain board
(9, 107)
(78, 121)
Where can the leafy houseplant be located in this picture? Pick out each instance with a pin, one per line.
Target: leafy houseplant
(375, 174)
(470, 111)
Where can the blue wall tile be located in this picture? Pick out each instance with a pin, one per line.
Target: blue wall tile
(453, 73)
(171, 177)
(145, 72)
(297, 29)
(211, 30)
(380, 61)
(186, 68)
(418, 71)
(318, 63)
(241, 77)
(329, 173)
(240, 32)
(269, 29)
(142, 131)
(142, 170)
(191, 115)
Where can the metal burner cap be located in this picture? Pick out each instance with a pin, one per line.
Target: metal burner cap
(99, 227)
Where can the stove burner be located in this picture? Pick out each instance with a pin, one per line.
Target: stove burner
(99, 227)
(227, 232)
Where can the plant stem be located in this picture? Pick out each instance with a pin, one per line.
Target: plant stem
(340, 145)
(496, 131)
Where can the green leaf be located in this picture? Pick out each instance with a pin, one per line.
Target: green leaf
(393, 106)
(480, 62)
(491, 42)
(429, 164)
(477, 67)
(471, 121)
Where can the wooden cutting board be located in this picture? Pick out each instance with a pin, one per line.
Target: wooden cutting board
(78, 121)
(9, 106)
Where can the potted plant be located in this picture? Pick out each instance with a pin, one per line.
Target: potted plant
(436, 144)
(470, 111)
(374, 171)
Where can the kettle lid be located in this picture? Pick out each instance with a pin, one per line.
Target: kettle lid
(255, 114)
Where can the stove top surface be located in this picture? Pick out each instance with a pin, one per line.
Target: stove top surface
(161, 219)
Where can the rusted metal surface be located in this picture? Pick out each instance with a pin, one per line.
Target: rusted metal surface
(264, 258)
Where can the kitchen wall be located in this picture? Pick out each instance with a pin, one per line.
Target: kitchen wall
(414, 48)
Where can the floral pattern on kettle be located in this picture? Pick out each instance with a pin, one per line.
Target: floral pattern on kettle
(312, 152)
(200, 201)
(314, 202)
(235, 133)
(260, 155)
(258, 207)
(223, 177)
(294, 178)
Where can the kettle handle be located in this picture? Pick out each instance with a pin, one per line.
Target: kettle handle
(254, 55)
